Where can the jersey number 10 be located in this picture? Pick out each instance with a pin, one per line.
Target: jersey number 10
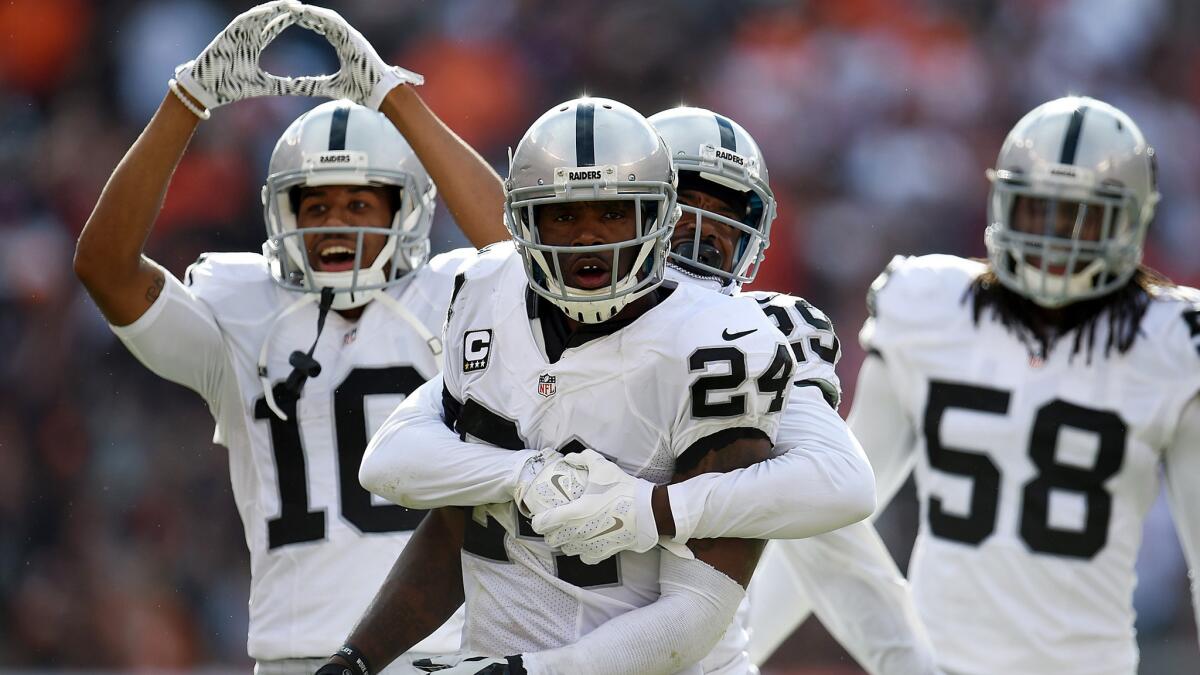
(296, 523)
(1036, 530)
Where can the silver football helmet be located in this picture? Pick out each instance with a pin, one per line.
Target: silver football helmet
(592, 149)
(1086, 172)
(343, 143)
(719, 150)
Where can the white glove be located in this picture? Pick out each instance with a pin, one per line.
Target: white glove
(364, 77)
(462, 664)
(227, 70)
(547, 481)
(613, 515)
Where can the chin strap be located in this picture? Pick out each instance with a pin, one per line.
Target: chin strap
(303, 364)
(432, 341)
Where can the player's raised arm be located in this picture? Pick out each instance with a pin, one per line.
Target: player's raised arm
(472, 190)
(108, 257)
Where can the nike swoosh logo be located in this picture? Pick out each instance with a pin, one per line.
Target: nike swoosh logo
(556, 481)
(733, 336)
(617, 525)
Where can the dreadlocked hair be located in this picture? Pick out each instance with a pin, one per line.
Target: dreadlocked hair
(1124, 309)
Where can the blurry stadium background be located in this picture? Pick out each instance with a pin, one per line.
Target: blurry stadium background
(119, 544)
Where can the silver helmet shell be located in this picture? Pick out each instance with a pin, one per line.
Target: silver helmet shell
(721, 151)
(343, 143)
(592, 149)
(1081, 153)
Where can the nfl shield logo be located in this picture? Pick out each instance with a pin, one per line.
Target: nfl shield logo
(547, 384)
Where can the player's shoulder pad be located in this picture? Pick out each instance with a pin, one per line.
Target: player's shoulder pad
(709, 319)
(796, 317)
(922, 288)
(452, 262)
(491, 260)
(233, 284)
(1172, 326)
(217, 275)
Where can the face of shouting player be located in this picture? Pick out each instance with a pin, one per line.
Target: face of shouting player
(590, 224)
(717, 240)
(329, 206)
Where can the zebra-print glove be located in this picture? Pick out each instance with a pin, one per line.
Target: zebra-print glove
(227, 70)
(364, 77)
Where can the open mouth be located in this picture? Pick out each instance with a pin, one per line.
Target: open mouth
(706, 254)
(334, 256)
(588, 272)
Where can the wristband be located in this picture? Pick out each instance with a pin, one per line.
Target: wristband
(187, 102)
(350, 653)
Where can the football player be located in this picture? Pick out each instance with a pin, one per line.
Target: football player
(846, 577)
(300, 352)
(548, 346)
(1039, 394)
(859, 593)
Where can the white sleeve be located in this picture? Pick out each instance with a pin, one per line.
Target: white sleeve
(879, 422)
(670, 635)
(821, 482)
(416, 461)
(179, 340)
(1182, 460)
(854, 588)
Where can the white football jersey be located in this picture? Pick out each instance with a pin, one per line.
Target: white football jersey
(811, 335)
(1033, 474)
(694, 365)
(320, 545)
(817, 350)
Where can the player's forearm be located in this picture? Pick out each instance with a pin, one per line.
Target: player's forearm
(861, 598)
(880, 423)
(1182, 464)
(676, 630)
(108, 257)
(821, 482)
(422, 591)
(414, 460)
(470, 187)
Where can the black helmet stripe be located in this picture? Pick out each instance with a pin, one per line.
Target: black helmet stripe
(585, 134)
(728, 140)
(337, 128)
(1071, 140)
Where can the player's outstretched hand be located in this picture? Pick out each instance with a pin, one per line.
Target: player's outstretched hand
(364, 77)
(612, 515)
(227, 70)
(459, 664)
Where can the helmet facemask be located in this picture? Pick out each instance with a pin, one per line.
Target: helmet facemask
(544, 263)
(406, 247)
(699, 259)
(1089, 243)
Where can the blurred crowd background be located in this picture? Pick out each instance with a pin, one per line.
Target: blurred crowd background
(119, 544)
